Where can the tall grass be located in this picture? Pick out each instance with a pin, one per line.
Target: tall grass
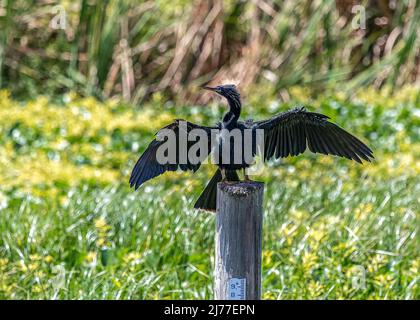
(134, 48)
(5, 22)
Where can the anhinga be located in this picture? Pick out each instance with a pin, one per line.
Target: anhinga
(288, 133)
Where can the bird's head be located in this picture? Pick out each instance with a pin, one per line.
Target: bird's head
(228, 91)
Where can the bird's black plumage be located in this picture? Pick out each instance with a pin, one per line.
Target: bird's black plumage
(286, 134)
(147, 167)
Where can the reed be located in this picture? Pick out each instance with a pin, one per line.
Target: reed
(135, 48)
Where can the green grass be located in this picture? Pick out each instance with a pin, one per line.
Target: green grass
(174, 245)
(325, 219)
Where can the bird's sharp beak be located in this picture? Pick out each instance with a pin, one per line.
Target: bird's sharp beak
(208, 88)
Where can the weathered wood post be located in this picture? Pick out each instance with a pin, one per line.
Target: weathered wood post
(239, 219)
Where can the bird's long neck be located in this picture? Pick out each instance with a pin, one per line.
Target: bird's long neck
(232, 116)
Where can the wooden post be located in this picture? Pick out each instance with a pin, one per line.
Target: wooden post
(239, 219)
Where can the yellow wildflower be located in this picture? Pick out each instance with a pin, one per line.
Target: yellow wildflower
(414, 268)
(269, 296)
(383, 280)
(363, 211)
(36, 288)
(48, 259)
(22, 266)
(33, 266)
(267, 258)
(309, 261)
(315, 288)
(91, 257)
(3, 262)
(132, 257)
(34, 257)
(116, 282)
(100, 223)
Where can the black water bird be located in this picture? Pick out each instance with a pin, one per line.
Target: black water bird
(287, 133)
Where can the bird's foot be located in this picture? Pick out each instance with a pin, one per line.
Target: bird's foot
(229, 182)
(246, 177)
(224, 179)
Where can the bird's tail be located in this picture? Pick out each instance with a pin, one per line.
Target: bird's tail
(207, 199)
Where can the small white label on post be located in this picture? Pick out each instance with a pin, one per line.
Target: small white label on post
(237, 289)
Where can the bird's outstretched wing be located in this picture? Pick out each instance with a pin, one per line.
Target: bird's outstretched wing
(289, 133)
(148, 166)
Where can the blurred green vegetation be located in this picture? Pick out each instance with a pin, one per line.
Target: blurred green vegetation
(78, 105)
(134, 48)
(71, 228)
